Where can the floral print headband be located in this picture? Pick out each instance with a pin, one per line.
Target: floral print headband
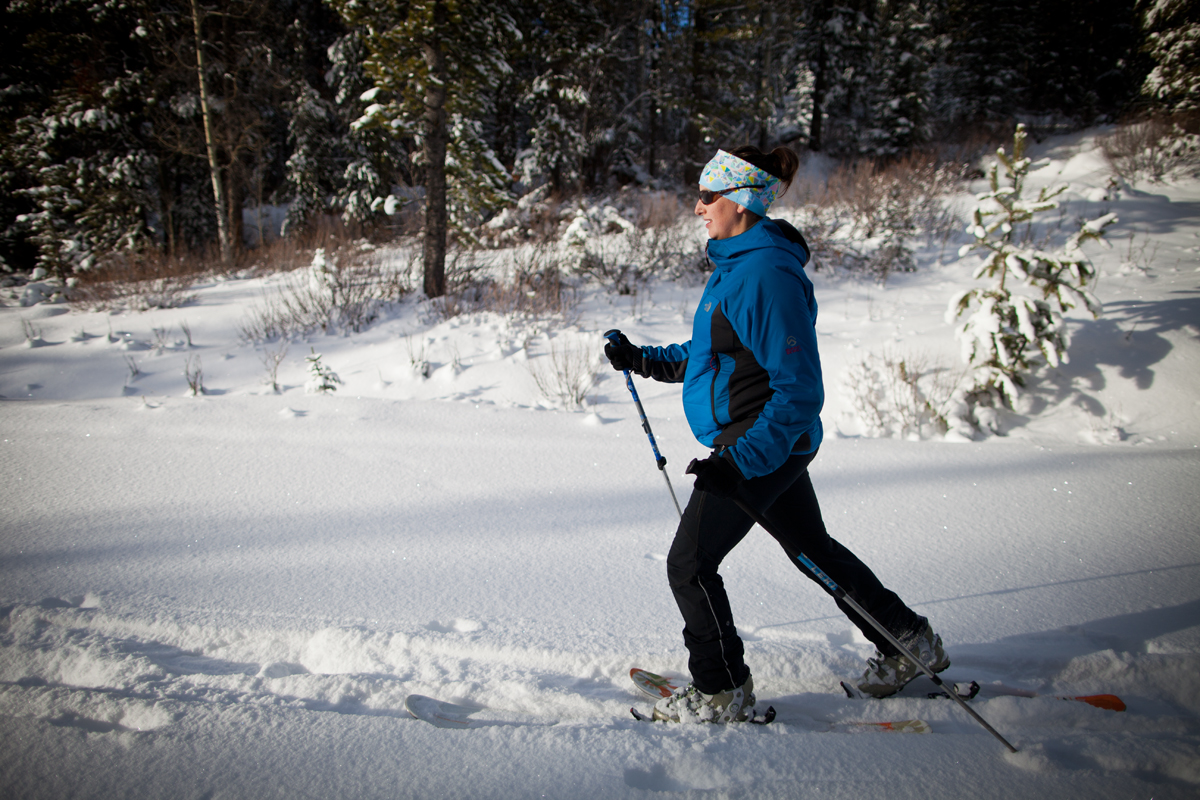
(757, 188)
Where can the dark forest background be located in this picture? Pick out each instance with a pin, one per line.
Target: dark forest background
(324, 108)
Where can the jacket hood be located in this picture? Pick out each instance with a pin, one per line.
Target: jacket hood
(766, 234)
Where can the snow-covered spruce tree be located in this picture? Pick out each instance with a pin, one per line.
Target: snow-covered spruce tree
(315, 165)
(321, 378)
(1172, 30)
(1019, 317)
(77, 166)
(842, 39)
(900, 97)
(378, 157)
(94, 184)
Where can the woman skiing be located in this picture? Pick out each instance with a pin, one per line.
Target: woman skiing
(752, 391)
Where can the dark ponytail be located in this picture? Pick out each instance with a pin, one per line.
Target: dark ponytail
(782, 162)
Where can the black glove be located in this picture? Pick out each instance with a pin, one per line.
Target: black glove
(716, 475)
(622, 354)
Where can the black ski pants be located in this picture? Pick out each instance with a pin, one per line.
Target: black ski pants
(712, 526)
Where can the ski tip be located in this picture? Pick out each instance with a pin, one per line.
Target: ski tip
(1109, 702)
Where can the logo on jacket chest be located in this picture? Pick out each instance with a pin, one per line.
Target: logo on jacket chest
(792, 345)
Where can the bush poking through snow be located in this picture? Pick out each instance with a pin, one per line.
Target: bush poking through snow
(1019, 318)
(321, 378)
(194, 374)
(339, 291)
(271, 359)
(33, 336)
(901, 396)
(570, 375)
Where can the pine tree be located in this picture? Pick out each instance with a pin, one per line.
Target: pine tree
(321, 377)
(78, 169)
(1020, 316)
(432, 61)
(377, 158)
(899, 118)
(560, 43)
(1172, 29)
(840, 42)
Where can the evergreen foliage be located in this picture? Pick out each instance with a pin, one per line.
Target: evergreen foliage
(1172, 42)
(1020, 316)
(328, 107)
(321, 377)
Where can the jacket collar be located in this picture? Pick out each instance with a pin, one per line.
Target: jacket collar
(765, 234)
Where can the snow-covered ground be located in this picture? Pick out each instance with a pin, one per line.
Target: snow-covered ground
(230, 595)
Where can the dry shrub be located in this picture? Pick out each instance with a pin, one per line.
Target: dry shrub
(659, 209)
(1156, 148)
(865, 216)
(342, 290)
(901, 396)
(138, 281)
(573, 368)
(145, 279)
(536, 287)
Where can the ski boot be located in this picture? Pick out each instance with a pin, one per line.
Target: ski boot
(689, 704)
(887, 675)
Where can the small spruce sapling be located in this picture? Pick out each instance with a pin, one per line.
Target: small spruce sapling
(1019, 317)
(321, 378)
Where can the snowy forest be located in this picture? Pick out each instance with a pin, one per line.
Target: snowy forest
(139, 136)
(305, 415)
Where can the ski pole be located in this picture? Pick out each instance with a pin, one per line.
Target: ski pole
(840, 594)
(612, 336)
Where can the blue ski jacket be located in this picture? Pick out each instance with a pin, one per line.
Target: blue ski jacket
(751, 374)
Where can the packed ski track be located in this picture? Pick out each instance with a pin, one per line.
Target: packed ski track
(231, 595)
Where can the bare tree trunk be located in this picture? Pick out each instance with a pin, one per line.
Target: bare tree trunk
(820, 81)
(214, 168)
(434, 146)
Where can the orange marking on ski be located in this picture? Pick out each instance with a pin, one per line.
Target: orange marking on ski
(1106, 701)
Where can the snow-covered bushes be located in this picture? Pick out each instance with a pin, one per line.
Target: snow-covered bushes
(1018, 319)
(624, 264)
(1155, 149)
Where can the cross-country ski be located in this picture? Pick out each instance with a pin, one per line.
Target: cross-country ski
(443, 714)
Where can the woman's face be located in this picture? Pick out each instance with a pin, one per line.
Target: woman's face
(723, 218)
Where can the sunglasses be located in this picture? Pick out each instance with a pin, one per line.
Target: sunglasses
(708, 197)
